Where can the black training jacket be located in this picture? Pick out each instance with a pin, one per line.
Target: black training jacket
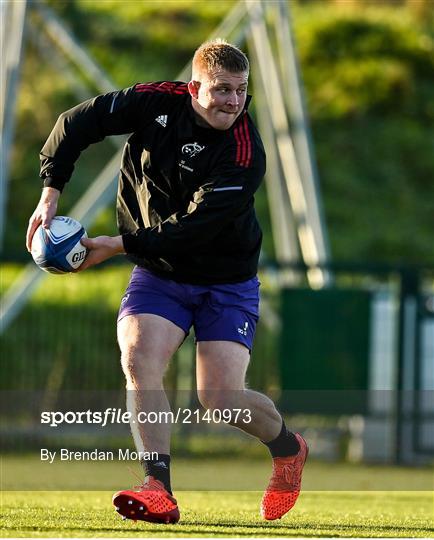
(185, 196)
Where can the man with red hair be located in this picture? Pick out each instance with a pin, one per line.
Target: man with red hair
(186, 219)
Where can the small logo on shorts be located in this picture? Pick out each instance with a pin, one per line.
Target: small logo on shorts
(124, 299)
(243, 331)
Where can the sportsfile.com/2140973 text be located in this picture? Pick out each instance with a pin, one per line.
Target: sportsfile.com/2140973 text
(113, 415)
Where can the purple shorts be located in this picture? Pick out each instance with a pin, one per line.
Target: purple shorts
(227, 312)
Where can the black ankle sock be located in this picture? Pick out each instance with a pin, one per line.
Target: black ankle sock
(159, 469)
(285, 444)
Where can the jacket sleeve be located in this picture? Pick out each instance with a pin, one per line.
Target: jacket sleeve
(114, 113)
(224, 196)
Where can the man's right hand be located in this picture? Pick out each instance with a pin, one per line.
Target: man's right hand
(44, 213)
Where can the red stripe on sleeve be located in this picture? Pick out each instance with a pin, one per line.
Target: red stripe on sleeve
(145, 87)
(163, 88)
(243, 145)
(249, 142)
(237, 139)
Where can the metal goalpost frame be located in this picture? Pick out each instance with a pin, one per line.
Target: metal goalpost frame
(307, 234)
(293, 93)
(46, 50)
(12, 17)
(282, 223)
(72, 49)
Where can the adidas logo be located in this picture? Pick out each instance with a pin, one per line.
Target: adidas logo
(243, 331)
(160, 464)
(162, 120)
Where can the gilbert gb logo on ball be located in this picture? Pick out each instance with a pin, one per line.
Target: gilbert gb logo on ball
(58, 250)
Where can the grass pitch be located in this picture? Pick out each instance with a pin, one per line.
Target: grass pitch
(349, 508)
(208, 514)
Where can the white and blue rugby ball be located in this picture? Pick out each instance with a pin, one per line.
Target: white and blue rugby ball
(58, 249)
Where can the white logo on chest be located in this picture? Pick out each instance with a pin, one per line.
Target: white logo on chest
(162, 120)
(192, 149)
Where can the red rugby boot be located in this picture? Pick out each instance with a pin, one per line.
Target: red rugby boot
(285, 483)
(152, 502)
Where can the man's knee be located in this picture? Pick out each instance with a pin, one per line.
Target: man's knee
(145, 350)
(142, 367)
(221, 399)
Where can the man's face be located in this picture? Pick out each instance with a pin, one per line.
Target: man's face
(218, 98)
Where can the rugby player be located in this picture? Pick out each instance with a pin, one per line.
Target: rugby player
(186, 219)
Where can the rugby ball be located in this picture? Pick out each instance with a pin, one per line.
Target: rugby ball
(58, 249)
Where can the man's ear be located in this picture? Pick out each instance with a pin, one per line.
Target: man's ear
(193, 88)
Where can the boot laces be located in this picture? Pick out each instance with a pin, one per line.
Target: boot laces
(284, 476)
(150, 484)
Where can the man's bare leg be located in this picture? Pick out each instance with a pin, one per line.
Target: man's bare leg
(147, 343)
(221, 371)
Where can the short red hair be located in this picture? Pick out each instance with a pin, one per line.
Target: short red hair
(218, 54)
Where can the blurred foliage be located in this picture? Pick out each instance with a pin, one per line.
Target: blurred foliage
(368, 71)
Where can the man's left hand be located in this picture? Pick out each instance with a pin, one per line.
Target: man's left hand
(100, 249)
